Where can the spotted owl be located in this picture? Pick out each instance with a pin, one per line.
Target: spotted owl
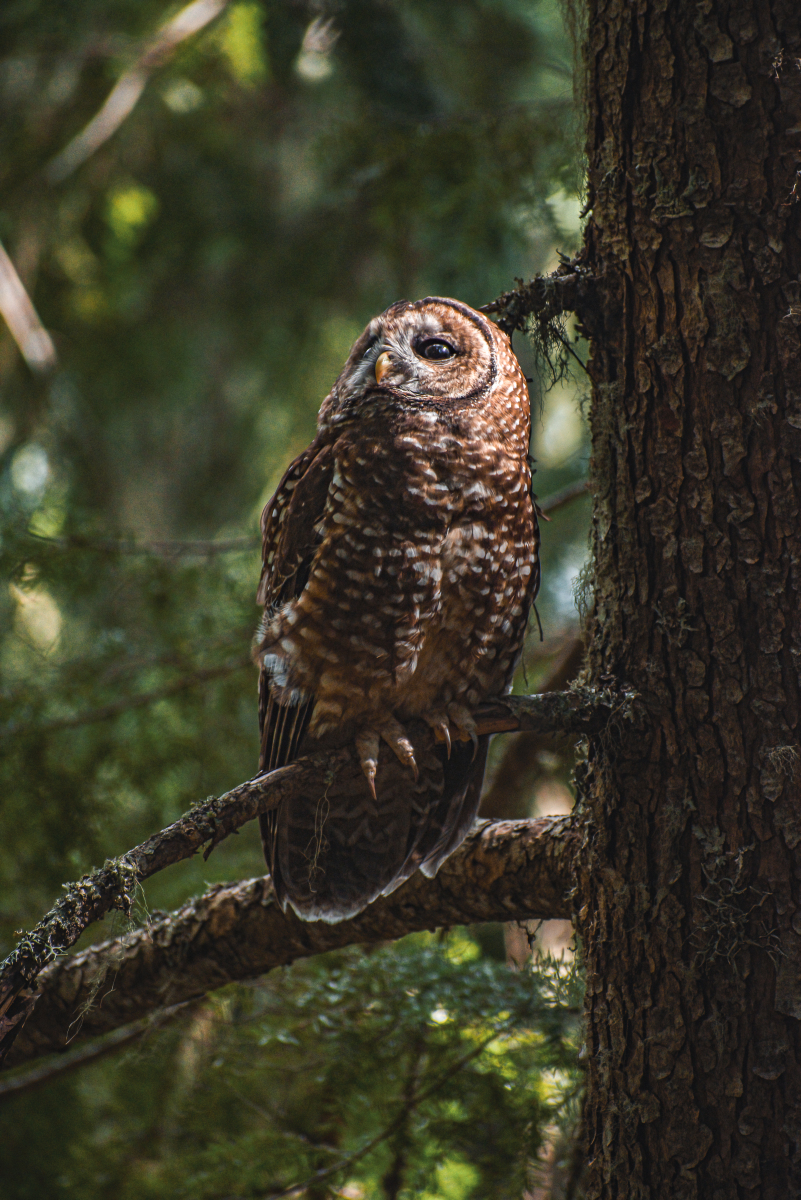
(400, 562)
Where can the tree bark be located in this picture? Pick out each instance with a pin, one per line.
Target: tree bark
(503, 871)
(689, 880)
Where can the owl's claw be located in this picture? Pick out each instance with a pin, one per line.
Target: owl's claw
(367, 744)
(438, 721)
(369, 740)
(457, 723)
(465, 726)
(393, 733)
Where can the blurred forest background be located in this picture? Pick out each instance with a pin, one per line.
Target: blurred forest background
(288, 171)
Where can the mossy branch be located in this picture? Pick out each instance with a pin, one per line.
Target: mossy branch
(503, 871)
(113, 886)
(540, 307)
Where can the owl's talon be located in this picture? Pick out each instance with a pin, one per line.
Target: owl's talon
(394, 735)
(465, 726)
(367, 744)
(438, 721)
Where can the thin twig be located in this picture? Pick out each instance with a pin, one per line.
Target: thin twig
(394, 1178)
(35, 344)
(236, 545)
(77, 669)
(565, 342)
(98, 1048)
(125, 94)
(574, 491)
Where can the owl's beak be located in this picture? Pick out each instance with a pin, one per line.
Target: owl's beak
(382, 364)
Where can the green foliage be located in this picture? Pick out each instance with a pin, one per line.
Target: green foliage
(422, 1062)
(285, 175)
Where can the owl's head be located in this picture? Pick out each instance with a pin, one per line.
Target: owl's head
(436, 352)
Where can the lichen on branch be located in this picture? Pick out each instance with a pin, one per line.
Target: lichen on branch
(540, 309)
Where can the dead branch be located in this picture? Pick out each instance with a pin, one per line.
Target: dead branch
(504, 871)
(113, 885)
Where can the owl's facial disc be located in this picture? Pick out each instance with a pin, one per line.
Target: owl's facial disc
(435, 349)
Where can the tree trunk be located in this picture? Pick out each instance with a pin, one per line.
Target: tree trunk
(689, 882)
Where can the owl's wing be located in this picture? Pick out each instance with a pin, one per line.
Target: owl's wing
(289, 541)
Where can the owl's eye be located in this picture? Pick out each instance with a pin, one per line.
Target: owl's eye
(435, 348)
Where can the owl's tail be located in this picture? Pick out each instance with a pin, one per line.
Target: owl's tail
(333, 855)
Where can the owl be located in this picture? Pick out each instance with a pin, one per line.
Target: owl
(400, 562)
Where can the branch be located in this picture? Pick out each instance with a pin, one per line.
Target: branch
(33, 340)
(114, 885)
(72, 1059)
(545, 298)
(125, 94)
(581, 711)
(503, 871)
(510, 792)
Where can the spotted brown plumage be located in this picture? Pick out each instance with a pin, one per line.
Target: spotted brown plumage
(400, 564)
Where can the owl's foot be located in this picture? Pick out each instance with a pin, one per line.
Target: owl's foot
(369, 740)
(456, 724)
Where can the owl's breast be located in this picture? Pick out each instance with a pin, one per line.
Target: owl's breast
(489, 572)
(420, 584)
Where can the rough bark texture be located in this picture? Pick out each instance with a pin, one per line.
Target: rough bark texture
(690, 877)
(504, 871)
